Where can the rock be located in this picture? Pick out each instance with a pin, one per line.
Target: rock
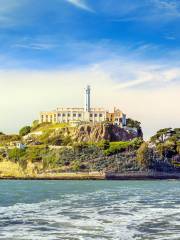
(98, 132)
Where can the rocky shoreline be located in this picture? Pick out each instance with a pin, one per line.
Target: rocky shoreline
(99, 176)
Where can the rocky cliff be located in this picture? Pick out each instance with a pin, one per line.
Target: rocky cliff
(61, 134)
(98, 132)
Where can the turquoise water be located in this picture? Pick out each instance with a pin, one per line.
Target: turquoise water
(100, 210)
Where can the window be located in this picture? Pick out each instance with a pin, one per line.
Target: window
(95, 114)
(79, 115)
(64, 114)
(59, 114)
(100, 115)
(91, 115)
(69, 114)
(74, 114)
(54, 115)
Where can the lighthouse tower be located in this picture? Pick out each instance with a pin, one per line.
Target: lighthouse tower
(87, 106)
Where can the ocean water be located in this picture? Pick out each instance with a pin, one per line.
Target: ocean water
(73, 210)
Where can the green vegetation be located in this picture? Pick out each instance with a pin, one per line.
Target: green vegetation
(167, 142)
(159, 134)
(133, 123)
(116, 147)
(44, 127)
(103, 144)
(78, 157)
(55, 148)
(144, 155)
(15, 154)
(6, 139)
(24, 131)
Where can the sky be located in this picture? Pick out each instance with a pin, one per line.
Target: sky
(127, 50)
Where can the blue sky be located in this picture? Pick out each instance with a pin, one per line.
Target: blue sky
(131, 45)
(51, 34)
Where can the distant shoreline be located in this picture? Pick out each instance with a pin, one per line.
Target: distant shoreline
(98, 176)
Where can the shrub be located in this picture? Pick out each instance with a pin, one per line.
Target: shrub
(24, 131)
(36, 153)
(76, 166)
(103, 144)
(15, 154)
(116, 147)
(136, 143)
(50, 159)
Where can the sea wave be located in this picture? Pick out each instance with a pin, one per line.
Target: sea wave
(122, 213)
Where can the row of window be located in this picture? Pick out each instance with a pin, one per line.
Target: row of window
(79, 115)
(51, 116)
(69, 115)
(96, 115)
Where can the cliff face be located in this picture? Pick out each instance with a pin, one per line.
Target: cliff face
(61, 135)
(96, 133)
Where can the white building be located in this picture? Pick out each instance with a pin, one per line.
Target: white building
(86, 114)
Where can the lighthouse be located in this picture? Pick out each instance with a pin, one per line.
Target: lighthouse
(87, 106)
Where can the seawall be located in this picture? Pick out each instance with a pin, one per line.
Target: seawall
(142, 176)
(98, 176)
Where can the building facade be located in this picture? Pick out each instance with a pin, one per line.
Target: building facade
(86, 114)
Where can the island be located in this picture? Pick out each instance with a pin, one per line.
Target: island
(89, 151)
(88, 143)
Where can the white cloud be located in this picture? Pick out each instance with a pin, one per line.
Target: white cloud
(35, 46)
(80, 4)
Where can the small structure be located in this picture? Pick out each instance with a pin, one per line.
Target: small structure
(20, 146)
(117, 117)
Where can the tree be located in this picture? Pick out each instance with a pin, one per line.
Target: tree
(160, 134)
(133, 123)
(143, 154)
(24, 131)
(167, 149)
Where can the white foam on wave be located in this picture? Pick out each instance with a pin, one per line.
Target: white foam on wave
(109, 214)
